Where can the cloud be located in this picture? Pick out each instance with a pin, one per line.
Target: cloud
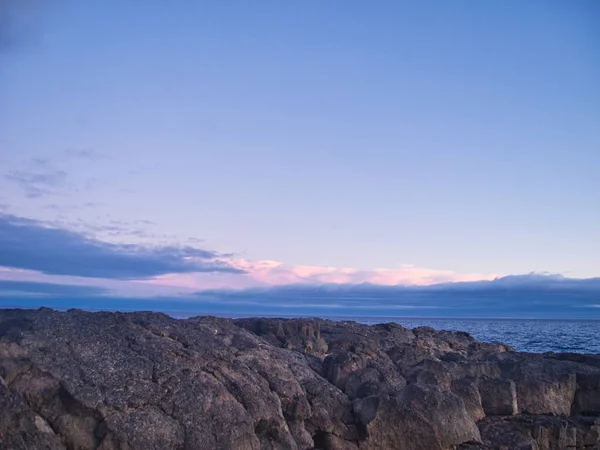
(42, 177)
(118, 230)
(39, 178)
(498, 298)
(274, 273)
(20, 288)
(533, 296)
(87, 154)
(60, 208)
(28, 244)
(530, 281)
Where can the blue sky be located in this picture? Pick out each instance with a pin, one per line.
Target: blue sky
(310, 142)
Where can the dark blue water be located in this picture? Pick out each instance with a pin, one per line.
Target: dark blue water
(524, 335)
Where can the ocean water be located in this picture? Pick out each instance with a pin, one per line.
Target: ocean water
(524, 335)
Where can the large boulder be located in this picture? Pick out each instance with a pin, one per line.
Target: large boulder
(544, 386)
(498, 396)
(539, 433)
(419, 417)
(362, 374)
(468, 390)
(587, 395)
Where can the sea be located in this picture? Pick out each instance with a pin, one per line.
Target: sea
(524, 335)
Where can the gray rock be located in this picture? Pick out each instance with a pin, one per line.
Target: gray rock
(498, 396)
(468, 390)
(420, 417)
(587, 395)
(114, 381)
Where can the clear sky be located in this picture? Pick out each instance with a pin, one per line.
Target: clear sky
(323, 141)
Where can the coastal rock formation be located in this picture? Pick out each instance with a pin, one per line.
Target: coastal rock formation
(126, 381)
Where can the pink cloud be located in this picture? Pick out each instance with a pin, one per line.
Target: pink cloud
(274, 273)
(257, 274)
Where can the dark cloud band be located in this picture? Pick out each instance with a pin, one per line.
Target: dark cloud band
(27, 244)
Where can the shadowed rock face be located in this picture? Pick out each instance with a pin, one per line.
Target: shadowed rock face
(115, 381)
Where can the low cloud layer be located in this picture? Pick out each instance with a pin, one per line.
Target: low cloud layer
(18, 289)
(527, 296)
(28, 244)
(274, 273)
(49, 266)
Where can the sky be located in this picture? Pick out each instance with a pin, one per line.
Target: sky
(192, 151)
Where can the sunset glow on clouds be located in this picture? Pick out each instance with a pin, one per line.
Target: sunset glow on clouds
(45, 265)
(256, 274)
(32, 251)
(275, 273)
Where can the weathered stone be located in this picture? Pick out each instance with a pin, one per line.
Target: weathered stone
(538, 433)
(498, 396)
(420, 417)
(545, 387)
(115, 381)
(587, 395)
(468, 390)
(21, 428)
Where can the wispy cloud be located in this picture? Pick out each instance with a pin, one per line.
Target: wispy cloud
(87, 154)
(43, 177)
(31, 245)
(114, 230)
(38, 178)
(59, 208)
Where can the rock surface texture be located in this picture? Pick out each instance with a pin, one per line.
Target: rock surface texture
(127, 381)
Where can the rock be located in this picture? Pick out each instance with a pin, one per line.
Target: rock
(544, 386)
(298, 334)
(587, 395)
(430, 371)
(419, 417)
(328, 441)
(468, 390)
(406, 356)
(539, 433)
(363, 374)
(115, 381)
(498, 396)
(21, 428)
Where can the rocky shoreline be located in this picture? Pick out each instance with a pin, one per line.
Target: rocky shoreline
(125, 381)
